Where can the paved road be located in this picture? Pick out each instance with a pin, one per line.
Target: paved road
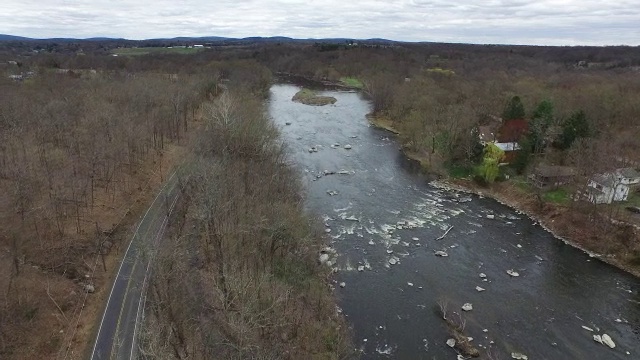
(116, 337)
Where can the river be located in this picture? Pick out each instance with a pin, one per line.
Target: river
(382, 211)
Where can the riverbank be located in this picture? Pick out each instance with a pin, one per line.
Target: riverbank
(325, 84)
(250, 249)
(573, 226)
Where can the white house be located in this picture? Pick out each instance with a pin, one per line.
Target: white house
(628, 176)
(606, 188)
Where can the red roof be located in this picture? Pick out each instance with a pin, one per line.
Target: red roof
(513, 130)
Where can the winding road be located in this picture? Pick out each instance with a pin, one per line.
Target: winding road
(117, 331)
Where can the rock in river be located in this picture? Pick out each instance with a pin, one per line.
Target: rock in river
(467, 307)
(513, 273)
(606, 339)
(451, 342)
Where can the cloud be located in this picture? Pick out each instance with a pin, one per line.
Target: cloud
(543, 22)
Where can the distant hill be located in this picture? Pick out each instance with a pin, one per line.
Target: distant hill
(186, 38)
(4, 37)
(252, 39)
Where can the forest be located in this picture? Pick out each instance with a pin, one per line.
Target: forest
(87, 138)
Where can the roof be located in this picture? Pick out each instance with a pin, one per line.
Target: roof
(487, 133)
(507, 146)
(629, 173)
(608, 180)
(513, 130)
(554, 171)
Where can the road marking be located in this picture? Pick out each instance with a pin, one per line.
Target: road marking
(141, 241)
(115, 281)
(146, 274)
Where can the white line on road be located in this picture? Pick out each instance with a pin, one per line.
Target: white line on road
(115, 280)
(146, 274)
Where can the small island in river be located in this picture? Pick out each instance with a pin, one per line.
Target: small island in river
(310, 97)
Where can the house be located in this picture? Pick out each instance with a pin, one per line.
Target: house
(504, 134)
(550, 176)
(511, 150)
(629, 176)
(606, 188)
(508, 136)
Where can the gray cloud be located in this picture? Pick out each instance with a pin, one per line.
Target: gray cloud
(543, 22)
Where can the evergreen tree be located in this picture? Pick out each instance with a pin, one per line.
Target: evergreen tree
(576, 126)
(514, 109)
(544, 113)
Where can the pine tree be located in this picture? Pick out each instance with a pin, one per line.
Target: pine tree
(514, 109)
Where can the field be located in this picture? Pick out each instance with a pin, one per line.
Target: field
(138, 51)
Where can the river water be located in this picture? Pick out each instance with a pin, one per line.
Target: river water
(384, 212)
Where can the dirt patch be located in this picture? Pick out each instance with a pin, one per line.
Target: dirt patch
(382, 122)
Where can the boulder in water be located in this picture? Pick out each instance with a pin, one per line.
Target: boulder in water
(597, 338)
(606, 339)
(451, 342)
(513, 273)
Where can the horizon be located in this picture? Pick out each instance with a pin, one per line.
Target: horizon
(499, 22)
(222, 38)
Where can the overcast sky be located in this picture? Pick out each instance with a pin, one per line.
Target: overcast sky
(541, 22)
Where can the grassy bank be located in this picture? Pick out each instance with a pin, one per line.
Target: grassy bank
(352, 82)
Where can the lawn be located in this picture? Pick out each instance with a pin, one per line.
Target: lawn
(633, 199)
(352, 82)
(458, 171)
(558, 196)
(137, 51)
